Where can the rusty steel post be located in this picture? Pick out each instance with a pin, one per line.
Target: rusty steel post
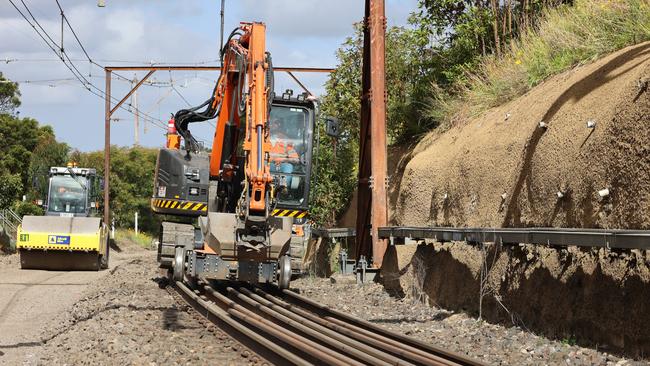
(372, 207)
(364, 196)
(107, 149)
(379, 165)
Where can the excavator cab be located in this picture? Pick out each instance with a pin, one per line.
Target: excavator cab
(291, 127)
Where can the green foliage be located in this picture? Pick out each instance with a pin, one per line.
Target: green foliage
(10, 188)
(22, 138)
(143, 239)
(27, 208)
(131, 183)
(333, 180)
(407, 83)
(9, 95)
(570, 341)
(408, 75)
(566, 36)
(48, 153)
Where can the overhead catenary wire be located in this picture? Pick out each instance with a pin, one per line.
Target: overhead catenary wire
(132, 62)
(64, 58)
(84, 81)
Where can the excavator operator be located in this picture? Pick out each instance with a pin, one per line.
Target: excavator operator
(283, 152)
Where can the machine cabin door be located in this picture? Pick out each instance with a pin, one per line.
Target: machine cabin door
(291, 135)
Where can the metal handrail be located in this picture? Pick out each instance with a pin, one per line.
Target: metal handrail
(10, 220)
(14, 215)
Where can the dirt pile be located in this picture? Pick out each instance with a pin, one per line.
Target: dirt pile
(504, 169)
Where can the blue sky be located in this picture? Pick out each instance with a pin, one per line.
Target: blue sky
(299, 33)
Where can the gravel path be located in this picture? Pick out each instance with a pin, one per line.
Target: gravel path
(458, 332)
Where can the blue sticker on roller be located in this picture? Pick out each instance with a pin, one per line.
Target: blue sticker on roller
(58, 239)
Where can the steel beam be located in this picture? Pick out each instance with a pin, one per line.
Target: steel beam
(372, 207)
(131, 91)
(343, 232)
(600, 238)
(379, 164)
(363, 245)
(299, 83)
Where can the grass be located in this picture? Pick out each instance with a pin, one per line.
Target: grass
(565, 37)
(142, 239)
(571, 341)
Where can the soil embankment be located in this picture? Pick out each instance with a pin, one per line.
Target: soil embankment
(504, 169)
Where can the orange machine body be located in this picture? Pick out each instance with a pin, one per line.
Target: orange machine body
(255, 143)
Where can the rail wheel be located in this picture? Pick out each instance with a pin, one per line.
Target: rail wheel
(179, 264)
(284, 271)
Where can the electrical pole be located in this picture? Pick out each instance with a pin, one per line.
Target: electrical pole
(136, 122)
(223, 3)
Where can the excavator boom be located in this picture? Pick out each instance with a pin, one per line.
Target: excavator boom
(240, 238)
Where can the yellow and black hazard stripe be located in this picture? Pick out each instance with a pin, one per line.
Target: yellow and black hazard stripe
(298, 214)
(179, 205)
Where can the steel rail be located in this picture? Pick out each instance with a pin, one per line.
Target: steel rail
(601, 238)
(331, 338)
(211, 309)
(331, 330)
(326, 311)
(310, 337)
(327, 355)
(377, 341)
(322, 336)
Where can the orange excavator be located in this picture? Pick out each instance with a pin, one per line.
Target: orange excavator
(251, 186)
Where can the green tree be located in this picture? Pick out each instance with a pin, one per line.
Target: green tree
(131, 183)
(20, 136)
(9, 95)
(10, 188)
(48, 153)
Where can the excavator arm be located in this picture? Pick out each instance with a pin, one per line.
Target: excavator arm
(241, 102)
(241, 239)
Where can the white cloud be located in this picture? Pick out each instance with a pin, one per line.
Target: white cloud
(300, 33)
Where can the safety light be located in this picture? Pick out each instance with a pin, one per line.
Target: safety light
(302, 97)
(194, 191)
(287, 94)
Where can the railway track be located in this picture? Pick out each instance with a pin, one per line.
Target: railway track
(287, 328)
